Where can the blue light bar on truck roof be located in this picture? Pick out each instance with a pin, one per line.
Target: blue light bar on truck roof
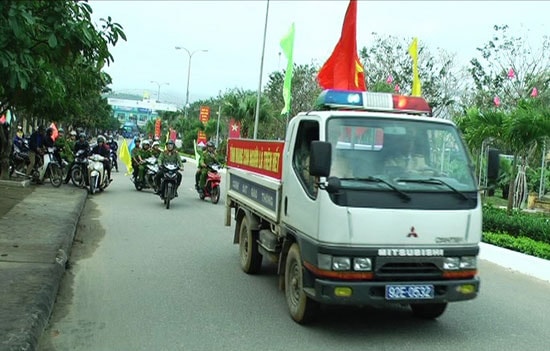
(368, 101)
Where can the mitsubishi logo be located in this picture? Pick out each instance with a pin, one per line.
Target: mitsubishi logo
(412, 234)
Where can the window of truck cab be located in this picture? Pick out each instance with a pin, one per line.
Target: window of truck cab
(397, 150)
(308, 131)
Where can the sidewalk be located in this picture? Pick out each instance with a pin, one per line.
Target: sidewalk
(36, 236)
(37, 228)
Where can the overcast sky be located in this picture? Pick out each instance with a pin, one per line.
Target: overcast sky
(232, 32)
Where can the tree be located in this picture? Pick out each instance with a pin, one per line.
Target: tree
(388, 65)
(50, 51)
(509, 68)
(240, 105)
(304, 92)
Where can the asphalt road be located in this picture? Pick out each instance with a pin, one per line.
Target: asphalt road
(147, 278)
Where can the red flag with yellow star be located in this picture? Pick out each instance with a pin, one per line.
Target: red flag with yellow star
(343, 70)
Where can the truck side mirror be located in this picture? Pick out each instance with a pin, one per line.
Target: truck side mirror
(319, 160)
(493, 165)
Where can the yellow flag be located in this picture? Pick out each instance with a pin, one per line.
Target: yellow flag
(413, 51)
(124, 155)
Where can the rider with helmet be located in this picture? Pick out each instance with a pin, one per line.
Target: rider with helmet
(206, 160)
(80, 144)
(156, 151)
(136, 158)
(63, 146)
(170, 155)
(144, 154)
(102, 149)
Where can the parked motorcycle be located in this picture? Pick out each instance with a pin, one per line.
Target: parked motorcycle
(169, 183)
(49, 168)
(97, 174)
(212, 187)
(151, 170)
(19, 160)
(79, 168)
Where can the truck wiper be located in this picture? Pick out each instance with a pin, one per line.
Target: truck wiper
(401, 193)
(434, 181)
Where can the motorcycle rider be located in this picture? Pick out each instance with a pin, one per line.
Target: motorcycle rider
(18, 139)
(144, 154)
(136, 158)
(113, 145)
(35, 148)
(169, 155)
(63, 146)
(207, 159)
(102, 149)
(156, 151)
(80, 144)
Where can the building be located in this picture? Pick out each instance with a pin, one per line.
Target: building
(138, 111)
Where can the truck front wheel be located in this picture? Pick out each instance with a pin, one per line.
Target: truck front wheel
(251, 259)
(428, 310)
(302, 309)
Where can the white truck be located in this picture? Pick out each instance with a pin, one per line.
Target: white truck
(369, 201)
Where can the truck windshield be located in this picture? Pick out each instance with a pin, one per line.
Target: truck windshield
(411, 154)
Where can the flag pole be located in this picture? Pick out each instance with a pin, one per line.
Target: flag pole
(257, 114)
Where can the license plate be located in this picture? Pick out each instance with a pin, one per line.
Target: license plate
(409, 292)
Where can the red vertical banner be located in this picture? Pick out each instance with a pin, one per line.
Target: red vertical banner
(173, 134)
(157, 128)
(234, 129)
(204, 116)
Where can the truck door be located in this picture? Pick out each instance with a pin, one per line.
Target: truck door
(300, 208)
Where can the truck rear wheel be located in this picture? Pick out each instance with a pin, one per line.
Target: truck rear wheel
(251, 259)
(302, 309)
(428, 310)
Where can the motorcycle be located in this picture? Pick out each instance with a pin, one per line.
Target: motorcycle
(151, 170)
(19, 160)
(212, 186)
(169, 183)
(113, 158)
(49, 168)
(97, 174)
(79, 168)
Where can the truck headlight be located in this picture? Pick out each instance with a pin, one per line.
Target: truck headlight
(468, 262)
(362, 264)
(341, 263)
(451, 263)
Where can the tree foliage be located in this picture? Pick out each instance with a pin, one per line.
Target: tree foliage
(51, 61)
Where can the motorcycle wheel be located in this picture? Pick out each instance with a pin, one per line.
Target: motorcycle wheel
(56, 175)
(215, 195)
(93, 185)
(76, 177)
(168, 194)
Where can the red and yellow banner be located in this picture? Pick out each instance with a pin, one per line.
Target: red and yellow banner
(260, 156)
(157, 128)
(204, 114)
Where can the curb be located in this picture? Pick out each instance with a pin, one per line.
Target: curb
(15, 183)
(516, 261)
(31, 309)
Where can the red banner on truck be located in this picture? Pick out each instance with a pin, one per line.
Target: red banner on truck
(259, 156)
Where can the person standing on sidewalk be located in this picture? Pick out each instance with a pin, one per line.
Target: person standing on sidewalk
(36, 142)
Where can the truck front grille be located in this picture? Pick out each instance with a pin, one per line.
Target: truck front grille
(407, 271)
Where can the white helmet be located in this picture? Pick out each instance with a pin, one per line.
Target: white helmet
(145, 142)
(156, 143)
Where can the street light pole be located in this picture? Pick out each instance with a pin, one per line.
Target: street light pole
(158, 85)
(259, 95)
(190, 54)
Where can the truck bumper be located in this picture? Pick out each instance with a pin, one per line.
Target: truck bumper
(373, 293)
